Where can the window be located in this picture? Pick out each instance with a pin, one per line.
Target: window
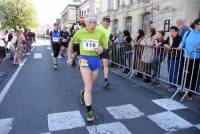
(131, 1)
(129, 24)
(85, 12)
(88, 10)
(115, 25)
(97, 10)
(146, 21)
(118, 3)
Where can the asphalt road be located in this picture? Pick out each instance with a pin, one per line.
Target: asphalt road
(42, 100)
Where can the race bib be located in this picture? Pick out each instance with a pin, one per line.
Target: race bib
(90, 45)
(55, 39)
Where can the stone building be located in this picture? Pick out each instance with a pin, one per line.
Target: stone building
(142, 14)
(73, 12)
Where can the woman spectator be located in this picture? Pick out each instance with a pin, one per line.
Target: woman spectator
(191, 42)
(147, 56)
(137, 52)
(158, 56)
(174, 55)
(18, 46)
(127, 54)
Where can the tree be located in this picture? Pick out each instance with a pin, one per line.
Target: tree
(17, 13)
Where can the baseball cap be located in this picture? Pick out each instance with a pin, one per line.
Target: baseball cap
(106, 18)
(197, 21)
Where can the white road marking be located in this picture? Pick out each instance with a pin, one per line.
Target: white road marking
(37, 56)
(11, 81)
(125, 112)
(65, 120)
(46, 133)
(198, 126)
(110, 128)
(6, 125)
(169, 121)
(49, 48)
(169, 104)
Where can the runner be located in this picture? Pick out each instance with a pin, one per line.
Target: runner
(55, 37)
(76, 49)
(104, 27)
(65, 41)
(92, 41)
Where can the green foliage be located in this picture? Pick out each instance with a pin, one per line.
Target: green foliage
(17, 13)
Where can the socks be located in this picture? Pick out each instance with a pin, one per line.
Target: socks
(89, 108)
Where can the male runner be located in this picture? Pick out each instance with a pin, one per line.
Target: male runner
(92, 41)
(55, 37)
(104, 27)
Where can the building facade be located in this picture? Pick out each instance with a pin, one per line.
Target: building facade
(73, 12)
(70, 14)
(143, 14)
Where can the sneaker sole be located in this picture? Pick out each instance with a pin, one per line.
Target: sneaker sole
(90, 120)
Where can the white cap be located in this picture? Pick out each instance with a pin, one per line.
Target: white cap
(90, 17)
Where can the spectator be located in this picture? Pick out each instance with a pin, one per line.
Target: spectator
(182, 27)
(127, 54)
(137, 52)
(147, 56)
(10, 36)
(18, 45)
(119, 38)
(158, 56)
(174, 55)
(29, 39)
(2, 50)
(191, 42)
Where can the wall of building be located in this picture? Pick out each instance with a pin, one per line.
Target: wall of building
(161, 10)
(84, 8)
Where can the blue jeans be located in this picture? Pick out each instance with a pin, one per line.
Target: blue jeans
(173, 68)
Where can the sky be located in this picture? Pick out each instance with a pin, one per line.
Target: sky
(49, 10)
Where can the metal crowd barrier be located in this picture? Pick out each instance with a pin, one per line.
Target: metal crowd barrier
(158, 63)
(191, 75)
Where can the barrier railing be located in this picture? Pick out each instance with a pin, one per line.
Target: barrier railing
(158, 63)
(191, 75)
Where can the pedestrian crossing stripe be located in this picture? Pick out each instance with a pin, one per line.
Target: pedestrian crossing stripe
(168, 121)
(198, 126)
(110, 128)
(65, 120)
(6, 125)
(169, 104)
(37, 56)
(125, 112)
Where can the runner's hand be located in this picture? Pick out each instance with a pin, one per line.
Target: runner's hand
(99, 50)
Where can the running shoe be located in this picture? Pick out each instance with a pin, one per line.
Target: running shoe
(106, 84)
(55, 67)
(90, 116)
